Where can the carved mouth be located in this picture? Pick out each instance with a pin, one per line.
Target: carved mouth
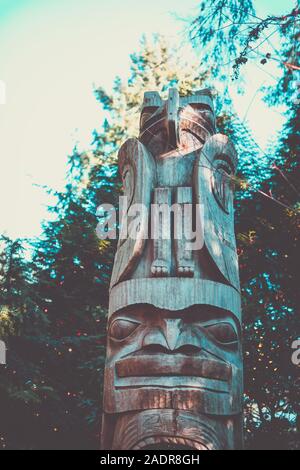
(164, 365)
(173, 365)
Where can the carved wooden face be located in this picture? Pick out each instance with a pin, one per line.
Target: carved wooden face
(180, 360)
(182, 123)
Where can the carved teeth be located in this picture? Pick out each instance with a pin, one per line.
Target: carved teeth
(158, 440)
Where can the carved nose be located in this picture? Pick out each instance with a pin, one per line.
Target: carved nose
(164, 337)
(170, 338)
(155, 340)
(188, 343)
(172, 118)
(172, 332)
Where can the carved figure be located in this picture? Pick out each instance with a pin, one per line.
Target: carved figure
(173, 376)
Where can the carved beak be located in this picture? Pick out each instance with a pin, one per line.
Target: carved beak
(172, 118)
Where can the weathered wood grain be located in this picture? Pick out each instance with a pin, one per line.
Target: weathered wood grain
(174, 372)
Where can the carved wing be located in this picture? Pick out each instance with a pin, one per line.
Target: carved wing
(138, 172)
(214, 169)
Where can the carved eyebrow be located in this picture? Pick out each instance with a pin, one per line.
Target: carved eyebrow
(199, 106)
(222, 157)
(210, 319)
(215, 321)
(122, 317)
(222, 322)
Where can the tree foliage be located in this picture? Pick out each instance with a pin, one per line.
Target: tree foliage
(267, 219)
(230, 32)
(52, 384)
(53, 302)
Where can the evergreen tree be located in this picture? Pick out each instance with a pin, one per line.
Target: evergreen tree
(55, 382)
(267, 227)
(20, 320)
(53, 305)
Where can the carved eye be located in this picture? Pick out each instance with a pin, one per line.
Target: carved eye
(221, 183)
(147, 113)
(224, 333)
(121, 328)
(128, 183)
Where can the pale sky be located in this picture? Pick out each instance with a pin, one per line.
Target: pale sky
(52, 53)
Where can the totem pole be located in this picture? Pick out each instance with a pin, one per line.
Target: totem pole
(173, 375)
